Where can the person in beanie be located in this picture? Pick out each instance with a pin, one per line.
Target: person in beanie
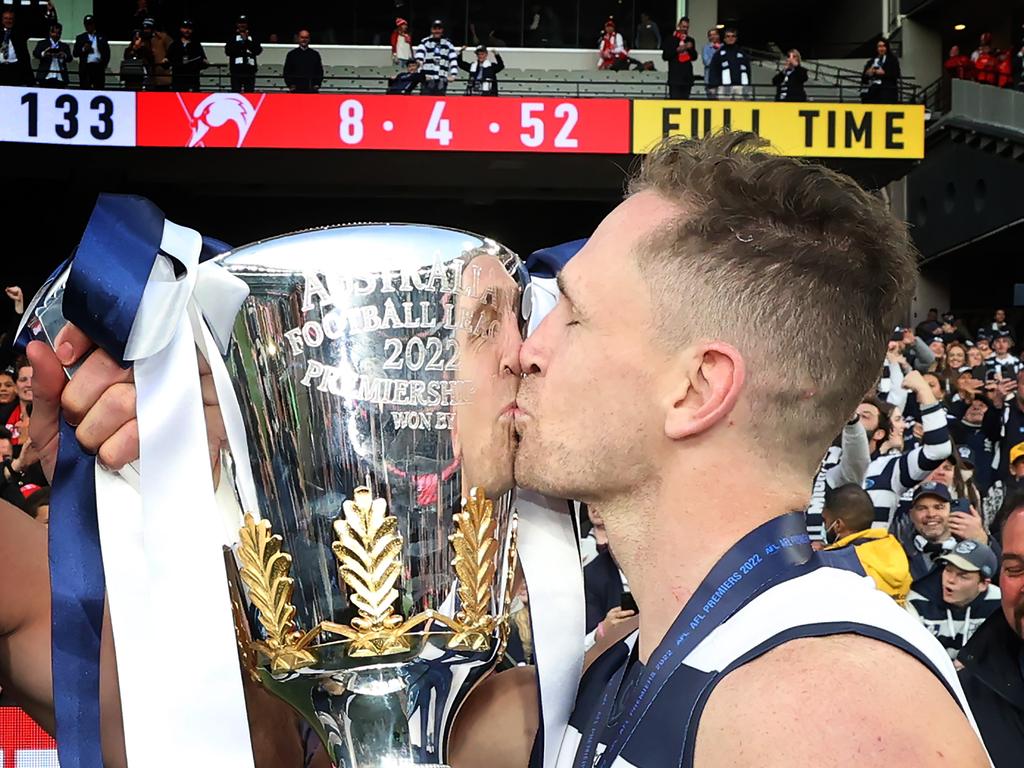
(612, 49)
(483, 74)
(93, 53)
(401, 43)
(731, 68)
(187, 59)
(680, 52)
(405, 83)
(437, 59)
(242, 52)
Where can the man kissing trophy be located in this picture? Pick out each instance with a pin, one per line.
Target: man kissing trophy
(368, 382)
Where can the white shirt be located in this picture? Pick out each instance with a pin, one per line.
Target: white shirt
(403, 50)
(10, 55)
(54, 73)
(94, 56)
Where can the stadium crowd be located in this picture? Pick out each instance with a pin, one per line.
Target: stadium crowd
(163, 56)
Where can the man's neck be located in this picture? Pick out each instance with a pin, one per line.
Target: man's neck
(667, 540)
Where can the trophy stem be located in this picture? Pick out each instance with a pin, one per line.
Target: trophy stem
(368, 718)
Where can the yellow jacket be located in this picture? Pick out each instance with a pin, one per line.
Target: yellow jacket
(883, 559)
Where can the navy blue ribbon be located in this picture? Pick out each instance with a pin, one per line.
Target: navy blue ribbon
(548, 262)
(778, 550)
(102, 295)
(110, 270)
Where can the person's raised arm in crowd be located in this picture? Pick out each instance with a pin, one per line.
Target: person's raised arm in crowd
(855, 458)
(890, 476)
(923, 354)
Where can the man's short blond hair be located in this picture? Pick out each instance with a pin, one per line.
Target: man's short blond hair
(793, 264)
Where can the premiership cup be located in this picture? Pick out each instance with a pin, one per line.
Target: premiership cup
(376, 370)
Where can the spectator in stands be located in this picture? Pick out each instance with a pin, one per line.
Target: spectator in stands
(401, 44)
(1004, 69)
(158, 42)
(789, 83)
(612, 53)
(880, 83)
(437, 59)
(21, 474)
(712, 76)
(648, 36)
(406, 82)
(966, 599)
(544, 29)
(8, 396)
(187, 59)
(846, 461)
(603, 586)
(930, 325)
(303, 69)
(1004, 421)
(137, 65)
(999, 323)
(848, 517)
(54, 55)
(10, 489)
(242, 52)
(985, 62)
(958, 66)
(15, 65)
(983, 343)
(680, 52)
(937, 530)
(893, 470)
(732, 68)
(1018, 69)
(1009, 365)
(93, 53)
(23, 391)
(483, 73)
(992, 677)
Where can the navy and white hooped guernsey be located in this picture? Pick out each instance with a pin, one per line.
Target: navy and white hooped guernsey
(817, 602)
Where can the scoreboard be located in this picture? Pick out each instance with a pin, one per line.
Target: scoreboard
(446, 123)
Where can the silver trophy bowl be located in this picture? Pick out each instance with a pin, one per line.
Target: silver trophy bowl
(376, 368)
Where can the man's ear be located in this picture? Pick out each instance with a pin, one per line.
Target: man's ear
(878, 435)
(708, 383)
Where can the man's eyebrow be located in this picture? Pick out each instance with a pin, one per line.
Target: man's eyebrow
(1018, 559)
(560, 280)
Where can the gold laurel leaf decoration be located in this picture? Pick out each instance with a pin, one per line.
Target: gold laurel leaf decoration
(474, 562)
(265, 571)
(369, 553)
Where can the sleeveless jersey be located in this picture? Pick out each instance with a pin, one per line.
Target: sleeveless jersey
(827, 601)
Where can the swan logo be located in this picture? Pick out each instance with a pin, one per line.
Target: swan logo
(216, 111)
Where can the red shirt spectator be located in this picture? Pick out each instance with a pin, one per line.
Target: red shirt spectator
(985, 67)
(401, 42)
(612, 49)
(1004, 70)
(958, 66)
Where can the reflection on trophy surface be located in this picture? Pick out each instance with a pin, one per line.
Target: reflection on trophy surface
(376, 368)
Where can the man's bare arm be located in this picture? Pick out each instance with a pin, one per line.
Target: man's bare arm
(25, 632)
(835, 702)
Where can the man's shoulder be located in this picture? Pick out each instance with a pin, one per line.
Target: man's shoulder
(862, 683)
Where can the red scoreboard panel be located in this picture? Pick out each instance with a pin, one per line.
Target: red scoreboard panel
(24, 744)
(386, 122)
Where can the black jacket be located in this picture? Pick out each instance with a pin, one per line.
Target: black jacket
(882, 89)
(19, 43)
(103, 48)
(303, 69)
(993, 680)
(791, 89)
(487, 84)
(245, 50)
(733, 59)
(680, 72)
(187, 59)
(62, 53)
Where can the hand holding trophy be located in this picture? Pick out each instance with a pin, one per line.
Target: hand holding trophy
(375, 369)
